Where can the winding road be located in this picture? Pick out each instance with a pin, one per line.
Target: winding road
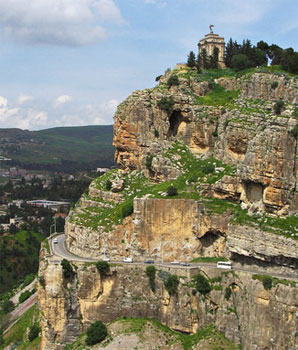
(59, 250)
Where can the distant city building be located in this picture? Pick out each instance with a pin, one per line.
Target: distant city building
(54, 205)
(102, 170)
(209, 42)
(16, 221)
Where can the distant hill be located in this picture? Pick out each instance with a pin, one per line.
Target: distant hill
(62, 149)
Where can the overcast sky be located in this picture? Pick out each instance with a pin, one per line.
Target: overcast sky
(71, 62)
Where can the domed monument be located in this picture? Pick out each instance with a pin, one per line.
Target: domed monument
(209, 42)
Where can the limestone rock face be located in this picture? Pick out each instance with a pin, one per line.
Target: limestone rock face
(250, 135)
(69, 307)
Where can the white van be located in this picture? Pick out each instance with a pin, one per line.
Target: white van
(127, 260)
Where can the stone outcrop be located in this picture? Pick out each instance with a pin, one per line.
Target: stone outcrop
(70, 306)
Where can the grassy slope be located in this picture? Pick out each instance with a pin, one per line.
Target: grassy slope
(209, 337)
(19, 255)
(82, 144)
(17, 333)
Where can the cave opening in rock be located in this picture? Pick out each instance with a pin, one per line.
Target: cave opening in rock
(175, 120)
(210, 238)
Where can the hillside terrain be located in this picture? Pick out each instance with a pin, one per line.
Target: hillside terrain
(207, 170)
(67, 148)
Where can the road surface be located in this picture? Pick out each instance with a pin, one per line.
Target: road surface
(59, 249)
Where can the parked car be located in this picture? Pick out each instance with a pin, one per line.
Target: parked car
(184, 264)
(105, 259)
(55, 240)
(127, 260)
(149, 261)
(175, 262)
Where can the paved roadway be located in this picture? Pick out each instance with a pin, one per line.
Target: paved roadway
(59, 250)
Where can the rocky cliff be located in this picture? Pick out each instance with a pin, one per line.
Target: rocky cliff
(247, 313)
(207, 169)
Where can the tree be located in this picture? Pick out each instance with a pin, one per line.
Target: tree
(96, 333)
(240, 62)
(150, 272)
(34, 332)
(191, 59)
(103, 268)
(201, 283)
(278, 107)
(171, 284)
(13, 229)
(267, 282)
(204, 59)
(172, 191)
(214, 58)
(173, 80)
(66, 269)
(7, 306)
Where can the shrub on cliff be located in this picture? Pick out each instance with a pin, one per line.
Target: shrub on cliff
(278, 107)
(267, 282)
(172, 191)
(294, 132)
(171, 284)
(67, 269)
(34, 332)
(96, 333)
(201, 284)
(173, 80)
(103, 268)
(166, 104)
(108, 185)
(127, 209)
(150, 272)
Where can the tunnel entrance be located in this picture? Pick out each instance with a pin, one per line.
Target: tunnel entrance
(175, 120)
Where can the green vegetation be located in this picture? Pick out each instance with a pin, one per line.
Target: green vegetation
(19, 258)
(127, 209)
(172, 191)
(18, 333)
(7, 306)
(269, 281)
(219, 96)
(274, 85)
(208, 259)
(278, 107)
(201, 284)
(67, 269)
(166, 104)
(173, 80)
(191, 60)
(25, 295)
(34, 332)
(128, 325)
(156, 133)
(108, 185)
(240, 62)
(96, 333)
(228, 293)
(171, 284)
(68, 148)
(294, 132)
(137, 326)
(148, 161)
(103, 268)
(150, 272)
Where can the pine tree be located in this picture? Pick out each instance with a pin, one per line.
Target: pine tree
(191, 59)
